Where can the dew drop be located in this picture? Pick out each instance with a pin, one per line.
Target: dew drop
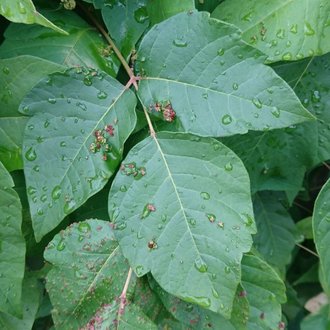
(123, 188)
(287, 56)
(229, 167)
(221, 51)
(294, 28)
(215, 293)
(276, 113)
(61, 245)
(235, 86)
(52, 100)
(308, 30)
(200, 265)
(102, 95)
(316, 96)
(257, 102)
(84, 227)
(141, 15)
(227, 270)
(205, 195)
(69, 206)
(5, 70)
(31, 190)
(180, 42)
(139, 270)
(211, 217)
(30, 155)
(56, 192)
(226, 119)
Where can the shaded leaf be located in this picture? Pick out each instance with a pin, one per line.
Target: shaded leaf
(133, 318)
(216, 84)
(17, 76)
(207, 5)
(181, 205)
(317, 321)
(276, 234)
(321, 229)
(88, 270)
(80, 122)
(12, 247)
(283, 29)
(82, 47)
(160, 10)
(24, 11)
(126, 20)
(265, 292)
(195, 317)
(305, 227)
(311, 81)
(31, 297)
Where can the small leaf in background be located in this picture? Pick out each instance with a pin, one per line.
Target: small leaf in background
(108, 317)
(317, 321)
(23, 11)
(305, 227)
(265, 292)
(74, 141)
(181, 205)
(82, 47)
(126, 21)
(160, 10)
(310, 79)
(88, 270)
(31, 296)
(321, 229)
(212, 82)
(17, 76)
(195, 317)
(285, 30)
(276, 234)
(12, 247)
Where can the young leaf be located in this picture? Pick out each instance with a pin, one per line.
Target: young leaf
(181, 205)
(265, 292)
(88, 270)
(12, 247)
(216, 84)
(74, 141)
(31, 296)
(83, 47)
(196, 317)
(283, 29)
(17, 77)
(276, 234)
(24, 11)
(160, 10)
(126, 21)
(321, 229)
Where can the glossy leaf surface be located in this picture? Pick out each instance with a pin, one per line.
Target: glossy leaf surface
(17, 76)
(12, 247)
(181, 205)
(24, 11)
(82, 47)
(89, 267)
(216, 84)
(265, 292)
(74, 141)
(283, 29)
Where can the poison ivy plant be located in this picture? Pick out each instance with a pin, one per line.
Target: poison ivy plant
(198, 131)
(283, 29)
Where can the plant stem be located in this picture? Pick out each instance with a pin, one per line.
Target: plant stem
(307, 249)
(123, 296)
(121, 58)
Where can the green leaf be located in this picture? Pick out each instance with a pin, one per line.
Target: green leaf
(126, 21)
(83, 47)
(160, 10)
(13, 89)
(276, 234)
(216, 84)
(181, 205)
(276, 160)
(207, 5)
(321, 229)
(23, 11)
(108, 316)
(283, 29)
(305, 227)
(311, 81)
(196, 317)
(65, 160)
(319, 320)
(31, 297)
(12, 247)
(265, 292)
(88, 270)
